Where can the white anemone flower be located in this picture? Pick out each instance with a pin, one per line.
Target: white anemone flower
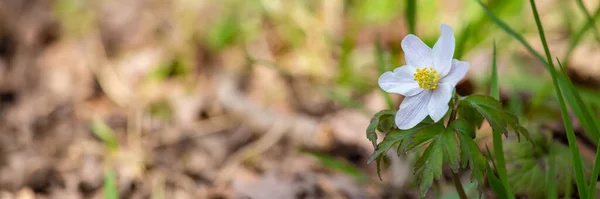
(427, 80)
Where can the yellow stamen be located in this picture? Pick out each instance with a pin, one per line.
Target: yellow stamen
(427, 78)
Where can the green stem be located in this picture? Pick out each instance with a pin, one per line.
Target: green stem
(458, 185)
(459, 188)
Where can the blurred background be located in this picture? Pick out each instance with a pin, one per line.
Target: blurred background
(254, 98)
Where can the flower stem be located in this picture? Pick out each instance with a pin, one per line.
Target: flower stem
(459, 188)
(458, 185)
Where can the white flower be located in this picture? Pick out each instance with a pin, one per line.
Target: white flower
(427, 80)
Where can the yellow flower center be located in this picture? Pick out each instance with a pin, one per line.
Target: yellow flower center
(427, 78)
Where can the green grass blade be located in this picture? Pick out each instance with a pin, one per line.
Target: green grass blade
(411, 15)
(494, 87)
(379, 55)
(590, 20)
(579, 34)
(586, 118)
(578, 167)
(332, 163)
(496, 135)
(595, 172)
(109, 189)
(579, 175)
(550, 177)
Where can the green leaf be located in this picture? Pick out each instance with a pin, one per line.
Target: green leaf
(426, 135)
(386, 123)
(396, 137)
(491, 110)
(471, 155)
(372, 128)
(529, 167)
(451, 149)
(429, 166)
(109, 189)
(105, 133)
(462, 126)
(470, 115)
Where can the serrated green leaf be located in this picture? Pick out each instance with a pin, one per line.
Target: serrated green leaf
(470, 115)
(491, 110)
(429, 166)
(425, 135)
(386, 123)
(396, 137)
(528, 166)
(379, 159)
(471, 155)
(462, 126)
(372, 128)
(451, 149)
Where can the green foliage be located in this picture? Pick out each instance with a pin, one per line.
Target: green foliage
(109, 189)
(589, 18)
(496, 135)
(336, 165)
(559, 84)
(223, 32)
(380, 56)
(580, 179)
(451, 149)
(491, 110)
(396, 137)
(105, 133)
(469, 151)
(376, 11)
(426, 135)
(470, 115)
(529, 163)
(374, 125)
(429, 166)
(496, 184)
(411, 19)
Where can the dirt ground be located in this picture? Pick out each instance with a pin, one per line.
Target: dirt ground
(186, 118)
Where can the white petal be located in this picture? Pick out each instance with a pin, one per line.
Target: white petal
(438, 104)
(416, 53)
(457, 72)
(413, 110)
(443, 50)
(401, 81)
